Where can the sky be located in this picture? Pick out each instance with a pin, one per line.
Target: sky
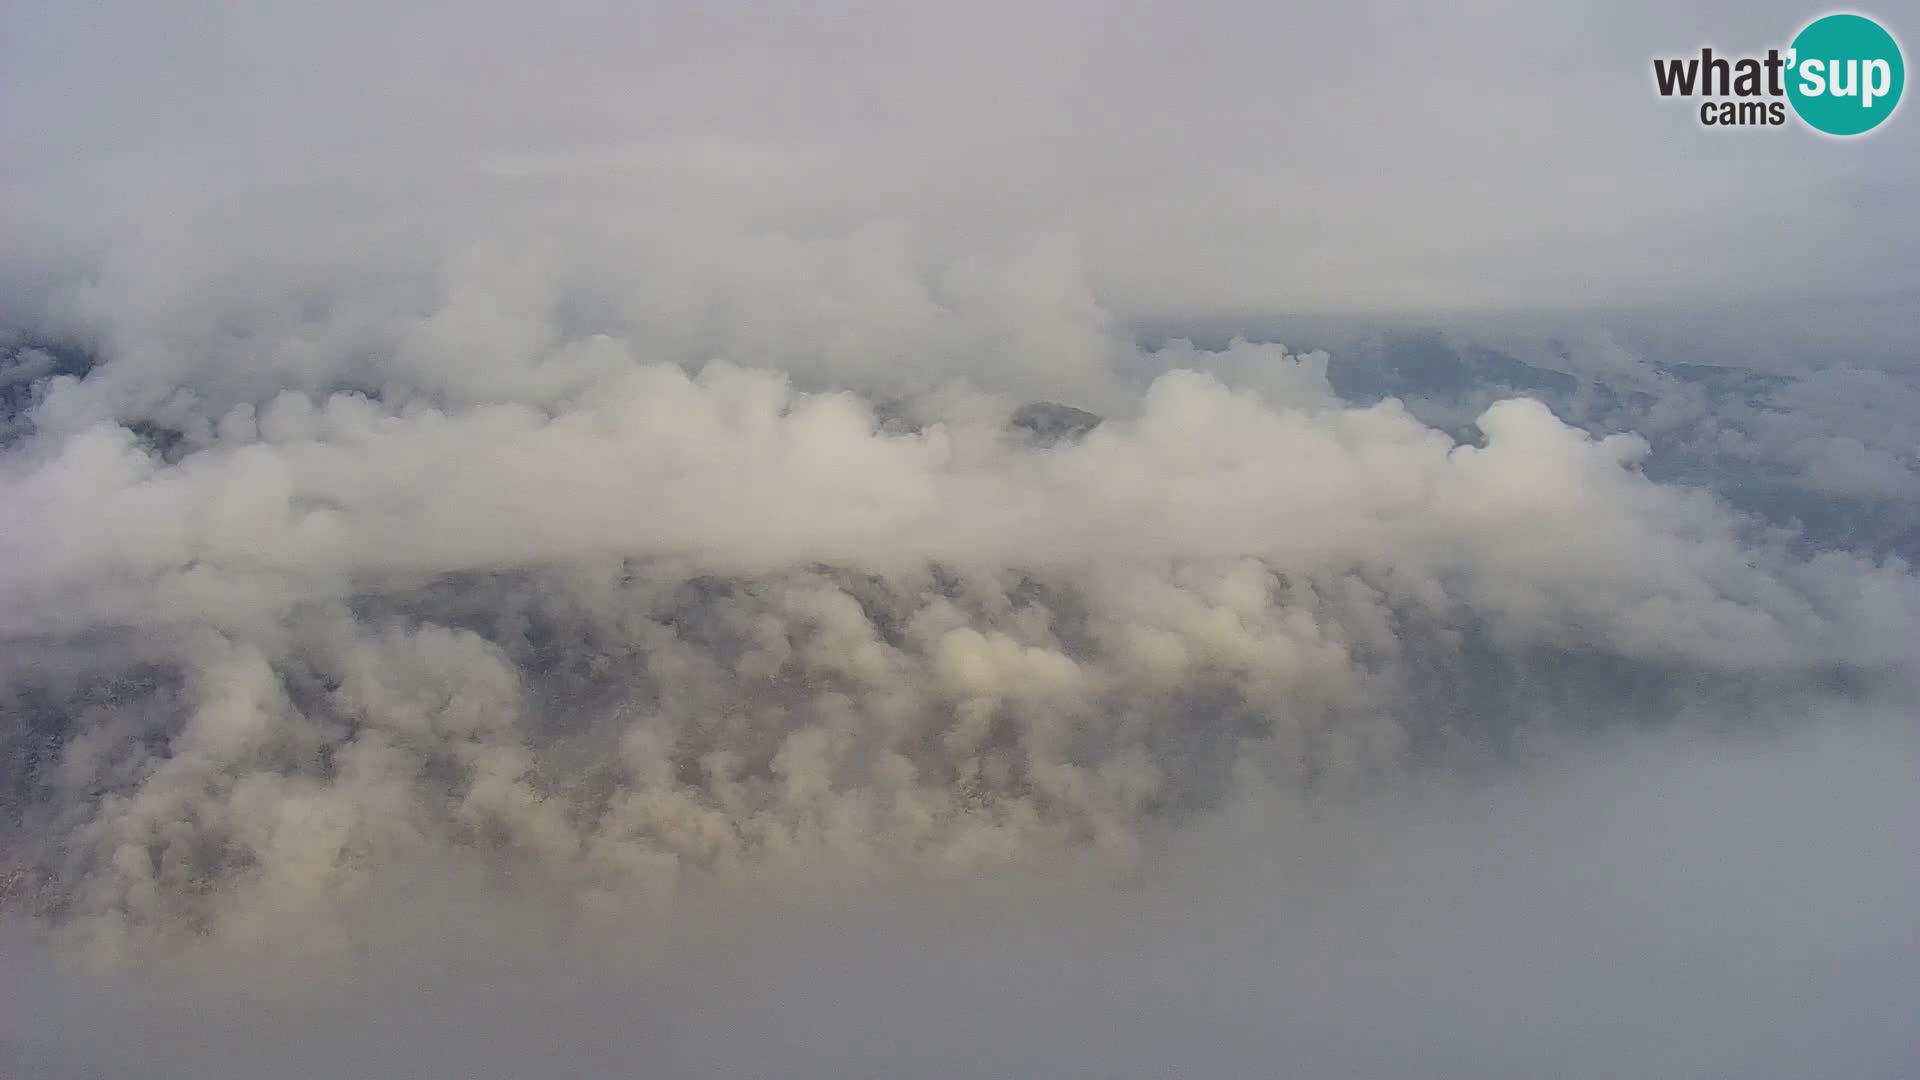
(510, 516)
(1222, 159)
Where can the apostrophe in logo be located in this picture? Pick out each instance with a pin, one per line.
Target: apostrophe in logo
(1846, 74)
(1842, 76)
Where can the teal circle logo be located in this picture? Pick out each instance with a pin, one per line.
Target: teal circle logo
(1845, 74)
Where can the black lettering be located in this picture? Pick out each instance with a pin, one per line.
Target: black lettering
(1746, 80)
(1775, 63)
(1709, 113)
(1675, 76)
(1776, 113)
(1709, 64)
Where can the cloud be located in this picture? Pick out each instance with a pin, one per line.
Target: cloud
(1662, 906)
(1230, 159)
(529, 588)
(599, 451)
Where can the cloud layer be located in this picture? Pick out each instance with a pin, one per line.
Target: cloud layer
(1663, 906)
(1224, 158)
(283, 609)
(476, 482)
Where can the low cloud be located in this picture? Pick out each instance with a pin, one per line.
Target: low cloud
(612, 521)
(640, 622)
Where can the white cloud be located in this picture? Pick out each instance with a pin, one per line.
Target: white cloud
(575, 441)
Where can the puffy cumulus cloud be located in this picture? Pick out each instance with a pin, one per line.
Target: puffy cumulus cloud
(1816, 441)
(646, 578)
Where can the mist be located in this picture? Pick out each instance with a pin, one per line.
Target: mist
(1659, 906)
(1026, 540)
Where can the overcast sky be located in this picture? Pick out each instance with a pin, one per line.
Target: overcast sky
(484, 488)
(1217, 158)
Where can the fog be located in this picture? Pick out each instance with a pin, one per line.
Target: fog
(1654, 907)
(1223, 158)
(1060, 541)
